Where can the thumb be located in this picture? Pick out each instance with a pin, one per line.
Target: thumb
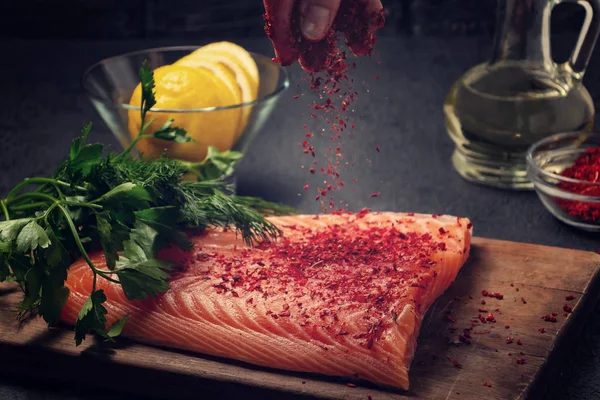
(317, 17)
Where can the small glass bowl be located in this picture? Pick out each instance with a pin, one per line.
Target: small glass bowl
(573, 201)
(110, 84)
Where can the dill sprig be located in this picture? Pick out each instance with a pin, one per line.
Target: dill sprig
(128, 207)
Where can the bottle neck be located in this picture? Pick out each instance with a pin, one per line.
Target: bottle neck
(523, 32)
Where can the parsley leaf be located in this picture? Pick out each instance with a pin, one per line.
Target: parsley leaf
(92, 317)
(217, 165)
(54, 296)
(116, 328)
(77, 142)
(32, 236)
(112, 234)
(147, 82)
(171, 133)
(10, 229)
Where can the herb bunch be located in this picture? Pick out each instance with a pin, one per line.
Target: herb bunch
(128, 207)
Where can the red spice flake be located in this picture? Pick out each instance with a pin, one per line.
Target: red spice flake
(523, 300)
(496, 295)
(377, 148)
(451, 319)
(295, 97)
(454, 362)
(549, 318)
(542, 330)
(369, 397)
(375, 194)
(519, 342)
(306, 186)
(482, 310)
(483, 302)
(482, 318)
(570, 297)
(554, 314)
(488, 384)
(506, 326)
(512, 285)
(509, 340)
(567, 308)
(490, 318)
(312, 170)
(509, 354)
(521, 361)
(469, 225)
(585, 168)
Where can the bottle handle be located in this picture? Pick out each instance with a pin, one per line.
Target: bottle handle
(580, 57)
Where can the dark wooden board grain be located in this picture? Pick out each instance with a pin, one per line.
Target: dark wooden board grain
(542, 276)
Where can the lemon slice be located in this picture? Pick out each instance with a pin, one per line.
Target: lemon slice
(240, 55)
(241, 64)
(182, 87)
(222, 72)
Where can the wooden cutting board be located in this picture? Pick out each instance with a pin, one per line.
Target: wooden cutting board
(534, 280)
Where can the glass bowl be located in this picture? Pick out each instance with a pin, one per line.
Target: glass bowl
(574, 202)
(110, 84)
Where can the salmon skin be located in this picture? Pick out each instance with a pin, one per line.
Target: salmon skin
(341, 295)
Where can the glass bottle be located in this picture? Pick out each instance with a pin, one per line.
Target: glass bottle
(496, 110)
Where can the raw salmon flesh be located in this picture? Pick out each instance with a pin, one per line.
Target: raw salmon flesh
(340, 295)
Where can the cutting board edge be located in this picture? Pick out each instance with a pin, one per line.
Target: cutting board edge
(477, 239)
(560, 348)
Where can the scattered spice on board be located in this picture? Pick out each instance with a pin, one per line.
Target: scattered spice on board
(549, 318)
(519, 342)
(496, 295)
(521, 361)
(509, 340)
(570, 297)
(567, 308)
(542, 330)
(586, 168)
(506, 326)
(488, 384)
(523, 300)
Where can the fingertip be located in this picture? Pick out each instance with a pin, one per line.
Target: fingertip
(317, 18)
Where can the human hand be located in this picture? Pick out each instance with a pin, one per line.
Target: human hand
(295, 25)
(317, 16)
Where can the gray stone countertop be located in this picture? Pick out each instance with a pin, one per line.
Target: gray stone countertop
(42, 108)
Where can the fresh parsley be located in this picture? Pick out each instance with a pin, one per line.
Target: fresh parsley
(129, 208)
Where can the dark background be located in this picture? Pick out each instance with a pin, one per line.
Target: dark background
(189, 19)
(444, 37)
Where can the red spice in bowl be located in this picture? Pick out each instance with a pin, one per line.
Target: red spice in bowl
(585, 168)
(565, 171)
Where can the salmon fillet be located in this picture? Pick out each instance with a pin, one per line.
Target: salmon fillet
(341, 295)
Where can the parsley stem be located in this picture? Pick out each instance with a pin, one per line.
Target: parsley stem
(5, 210)
(28, 206)
(53, 199)
(82, 250)
(41, 181)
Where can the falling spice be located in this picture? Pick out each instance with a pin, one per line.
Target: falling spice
(586, 169)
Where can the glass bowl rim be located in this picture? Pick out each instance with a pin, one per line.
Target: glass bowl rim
(565, 135)
(275, 93)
